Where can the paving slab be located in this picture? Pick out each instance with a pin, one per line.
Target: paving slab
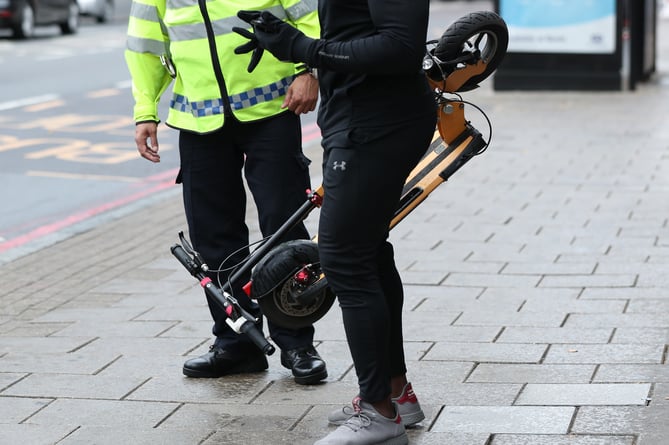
(118, 414)
(606, 353)
(584, 394)
(569, 439)
(136, 436)
(531, 373)
(649, 373)
(487, 352)
(621, 420)
(37, 434)
(555, 335)
(505, 419)
(55, 386)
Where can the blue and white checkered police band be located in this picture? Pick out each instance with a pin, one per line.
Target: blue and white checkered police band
(247, 99)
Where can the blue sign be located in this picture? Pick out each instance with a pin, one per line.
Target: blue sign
(560, 26)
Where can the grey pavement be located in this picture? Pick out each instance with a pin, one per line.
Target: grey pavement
(537, 302)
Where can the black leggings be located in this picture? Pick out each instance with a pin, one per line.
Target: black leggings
(363, 176)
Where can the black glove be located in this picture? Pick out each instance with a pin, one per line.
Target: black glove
(252, 44)
(270, 33)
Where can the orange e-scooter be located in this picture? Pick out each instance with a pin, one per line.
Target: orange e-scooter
(286, 278)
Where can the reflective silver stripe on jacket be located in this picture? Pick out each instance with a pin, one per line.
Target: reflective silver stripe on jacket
(193, 31)
(301, 9)
(140, 45)
(143, 45)
(177, 4)
(144, 12)
(294, 12)
(247, 99)
(180, 33)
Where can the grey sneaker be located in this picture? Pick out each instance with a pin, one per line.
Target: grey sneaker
(367, 427)
(407, 407)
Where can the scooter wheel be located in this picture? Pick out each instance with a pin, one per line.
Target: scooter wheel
(281, 308)
(284, 301)
(483, 33)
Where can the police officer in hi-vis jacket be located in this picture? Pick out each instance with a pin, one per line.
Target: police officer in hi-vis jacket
(230, 121)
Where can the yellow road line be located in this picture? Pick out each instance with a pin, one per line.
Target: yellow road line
(103, 93)
(45, 106)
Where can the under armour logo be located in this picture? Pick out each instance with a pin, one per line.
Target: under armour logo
(339, 165)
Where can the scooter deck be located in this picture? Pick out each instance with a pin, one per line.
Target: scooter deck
(439, 163)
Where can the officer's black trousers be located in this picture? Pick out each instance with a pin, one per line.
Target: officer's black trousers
(363, 174)
(269, 153)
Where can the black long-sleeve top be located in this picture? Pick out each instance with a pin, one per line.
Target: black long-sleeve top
(369, 62)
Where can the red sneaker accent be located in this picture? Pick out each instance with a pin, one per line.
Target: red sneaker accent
(407, 396)
(356, 404)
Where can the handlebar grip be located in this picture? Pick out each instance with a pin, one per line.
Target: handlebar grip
(251, 330)
(184, 258)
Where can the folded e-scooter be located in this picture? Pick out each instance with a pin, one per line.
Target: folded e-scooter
(286, 278)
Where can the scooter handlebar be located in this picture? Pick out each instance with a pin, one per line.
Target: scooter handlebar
(251, 330)
(185, 259)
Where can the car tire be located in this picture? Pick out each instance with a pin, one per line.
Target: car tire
(71, 25)
(25, 28)
(107, 12)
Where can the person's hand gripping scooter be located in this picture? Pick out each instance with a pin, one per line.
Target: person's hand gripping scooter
(270, 33)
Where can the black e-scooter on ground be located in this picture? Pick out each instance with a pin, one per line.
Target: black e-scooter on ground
(286, 279)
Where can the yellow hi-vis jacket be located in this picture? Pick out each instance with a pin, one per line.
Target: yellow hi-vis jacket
(211, 80)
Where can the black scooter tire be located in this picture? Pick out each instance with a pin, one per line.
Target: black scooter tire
(272, 281)
(471, 28)
(279, 311)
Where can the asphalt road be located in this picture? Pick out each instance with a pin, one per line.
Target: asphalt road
(66, 134)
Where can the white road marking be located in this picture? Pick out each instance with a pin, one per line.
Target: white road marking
(27, 101)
